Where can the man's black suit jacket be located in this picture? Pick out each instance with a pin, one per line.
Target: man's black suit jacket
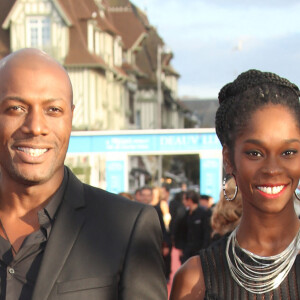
(101, 246)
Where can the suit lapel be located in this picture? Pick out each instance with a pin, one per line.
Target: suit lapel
(63, 235)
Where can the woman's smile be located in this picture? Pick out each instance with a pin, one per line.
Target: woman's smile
(269, 191)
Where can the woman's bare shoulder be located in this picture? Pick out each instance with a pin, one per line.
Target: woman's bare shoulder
(188, 282)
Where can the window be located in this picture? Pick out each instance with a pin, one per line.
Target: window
(138, 119)
(39, 32)
(131, 108)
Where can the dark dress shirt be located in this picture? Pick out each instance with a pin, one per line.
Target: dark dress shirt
(18, 274)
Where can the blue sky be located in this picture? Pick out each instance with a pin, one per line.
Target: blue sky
(215, 40)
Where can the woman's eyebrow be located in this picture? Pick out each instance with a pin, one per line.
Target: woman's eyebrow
(260, 143)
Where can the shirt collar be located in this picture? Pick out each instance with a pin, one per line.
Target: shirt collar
(47, 214)
(56, 199)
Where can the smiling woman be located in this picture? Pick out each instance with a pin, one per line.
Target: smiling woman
(258, 124)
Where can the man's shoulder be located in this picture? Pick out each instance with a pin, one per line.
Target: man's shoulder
(103, 207)
(104, 204)
(97, 194)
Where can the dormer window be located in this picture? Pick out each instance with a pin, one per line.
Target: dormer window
(102, 14)
(39, 32)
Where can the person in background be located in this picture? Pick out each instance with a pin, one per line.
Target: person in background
(61, 238)
(195, 226)
(206, 201)
(165, 193)
(167, 242)
(164, 204)
(137, 195)
(178, 213)
(145, 195)
(126, 195)
(184, 186)
(258, 125)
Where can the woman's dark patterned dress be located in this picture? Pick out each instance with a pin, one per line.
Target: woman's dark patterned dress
(221, 286)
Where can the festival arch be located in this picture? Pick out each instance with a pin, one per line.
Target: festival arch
(101, 158)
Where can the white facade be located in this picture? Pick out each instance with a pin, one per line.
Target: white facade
(32, 23)
(105, 97)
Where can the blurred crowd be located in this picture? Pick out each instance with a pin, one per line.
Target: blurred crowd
(190, 221)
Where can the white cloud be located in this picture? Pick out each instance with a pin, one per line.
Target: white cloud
(255, 3)
(204, 36)
(198, 91)
(206, 69)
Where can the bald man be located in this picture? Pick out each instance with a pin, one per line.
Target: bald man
(60, 238)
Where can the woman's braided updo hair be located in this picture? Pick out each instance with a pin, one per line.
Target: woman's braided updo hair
(250, 91)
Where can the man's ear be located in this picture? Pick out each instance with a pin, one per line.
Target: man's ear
(226, 160)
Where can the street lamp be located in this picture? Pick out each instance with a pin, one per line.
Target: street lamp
(160, 49)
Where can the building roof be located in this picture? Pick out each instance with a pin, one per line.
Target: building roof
(80, 13)
(119, 3)
(103, 17)
(141, 15)
(129, 68)
(78, 53)
(124, 18)
(6, 6)
(169, 70)
(205, 109)
(146, 59)
(116, 17)
(6, 21)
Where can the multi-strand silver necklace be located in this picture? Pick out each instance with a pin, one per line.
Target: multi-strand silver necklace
(260, 274)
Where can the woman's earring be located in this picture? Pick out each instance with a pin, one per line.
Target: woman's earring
(298, 188)
(296, 195)
(235, 191)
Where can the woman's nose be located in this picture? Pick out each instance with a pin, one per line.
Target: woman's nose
(272, 166)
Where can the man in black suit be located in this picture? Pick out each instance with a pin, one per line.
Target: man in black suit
(60, 238)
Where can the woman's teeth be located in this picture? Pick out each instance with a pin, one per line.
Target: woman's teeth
(271, 190)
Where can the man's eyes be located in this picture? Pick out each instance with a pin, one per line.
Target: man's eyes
(15, 108)
(55, 109)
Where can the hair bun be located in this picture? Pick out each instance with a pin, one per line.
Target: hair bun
(250, 79)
